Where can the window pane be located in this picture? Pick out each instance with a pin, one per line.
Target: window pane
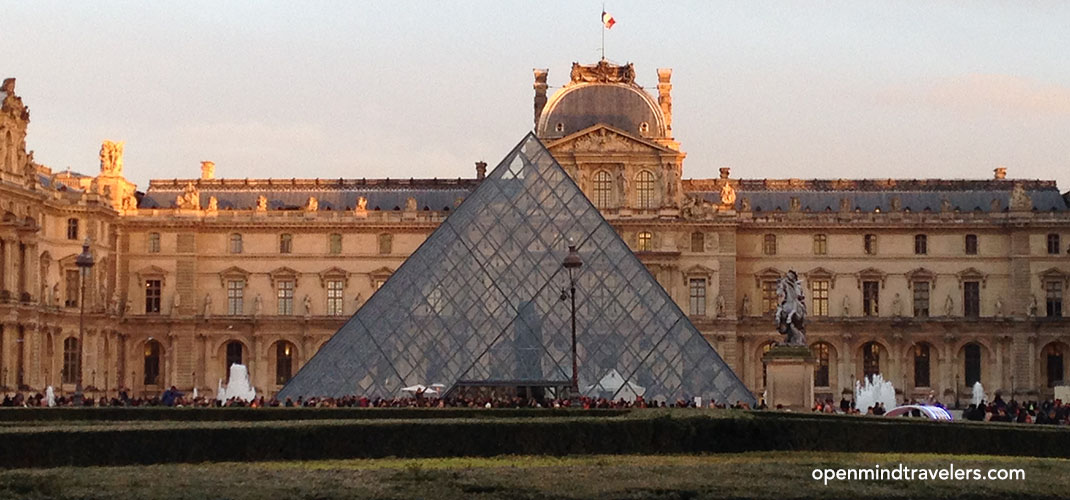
(819, 294)
(698, 297)
(971, 244)
(152, 296)
(1053, 244)
(871, 360)
(921, 244)
(769, 298)
(870, 298)
(644, 190)
(769, 244)
(921, 299)
(336, 244)
(821, 369)
(820, 244)
(285, 295)
(335, 304)
(1054, 298)
(235, 293)
(603, 186)
(971, 299)
(644, 240)
(698, 242)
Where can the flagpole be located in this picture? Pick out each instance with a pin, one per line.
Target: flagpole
(601, 20)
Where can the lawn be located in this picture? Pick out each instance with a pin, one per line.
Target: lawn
(777, 475)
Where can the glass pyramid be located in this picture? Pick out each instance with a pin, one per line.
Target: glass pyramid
(480, 302)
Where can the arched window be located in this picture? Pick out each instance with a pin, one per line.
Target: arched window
(234, 355)
(1053, 363)
(644, 241)
(603, 186)
(821, 369)
(644, 190)
(972, 363)
(152, 363)
(71, 353)
(284, 352)
(871, 359)
(235, 243)
(921, 365)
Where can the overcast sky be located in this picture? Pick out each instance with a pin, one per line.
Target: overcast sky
(425, 89)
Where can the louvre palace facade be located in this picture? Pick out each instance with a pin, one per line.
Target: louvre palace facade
(933, 283)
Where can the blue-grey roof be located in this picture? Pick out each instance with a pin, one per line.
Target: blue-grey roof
(430, 195)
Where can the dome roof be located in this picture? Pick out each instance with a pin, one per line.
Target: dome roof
(602, 94)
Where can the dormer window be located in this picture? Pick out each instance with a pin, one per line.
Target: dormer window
(644, 128)
(560, 127)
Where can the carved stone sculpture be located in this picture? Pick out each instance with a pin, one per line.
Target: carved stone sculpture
(207, 306)
(410, 204)
(622, 185)
(258, 305)
(312, 204)
(949, 305)
(897, 306)
(261, 203)
(213, 204)
(190, 198)
(728, 195)
(308, 306)
(744, 205)
(846, 306)
(362, 204)
(791, 311)
(745, 310)
(176, 303)
(1020, 201)
(111, 158)
(999, 307)
(1033, 307)
(720, 306)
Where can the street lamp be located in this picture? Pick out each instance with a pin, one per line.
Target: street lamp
(572, 261)
(84, 261)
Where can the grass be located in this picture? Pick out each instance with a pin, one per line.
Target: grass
(779, 475)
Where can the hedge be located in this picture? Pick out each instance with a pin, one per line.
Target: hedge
(267, 414)
(644, 432)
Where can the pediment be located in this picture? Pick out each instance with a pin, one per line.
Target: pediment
(972, 274)
(699, 270)
(871, 274)
(151, 272)
(820, 273)
(767, 274)
(283, 273)
(921, 274)
(333, 272)
(233, 272)
(1055, 274)
(603, 138)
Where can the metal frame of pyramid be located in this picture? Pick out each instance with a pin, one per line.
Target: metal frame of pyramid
(479, 300)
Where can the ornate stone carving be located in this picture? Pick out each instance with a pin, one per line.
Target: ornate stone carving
(410, 204)
(258, 305)
(190, 198)
(604, 141)
(896, 204)
(945, 205)
(744, 205)
(999, 307)
(207, 305)
(1020, 201)
(312, 204)
(1033, 307)
(261, 203)
(949, 306)
(897, 306)
(207, 170)
(362, 204)
(794, 205)
(602, 72)
(720, 306)
(846, 306)
(995, 206)
(791, 310)
(111, 158)
(728, 195)
(213, 204)
(622, 184)
(308, 306)
(745, 309)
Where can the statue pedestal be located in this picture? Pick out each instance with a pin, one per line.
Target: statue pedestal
(789, 375)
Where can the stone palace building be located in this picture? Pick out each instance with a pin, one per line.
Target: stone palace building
(933, 283)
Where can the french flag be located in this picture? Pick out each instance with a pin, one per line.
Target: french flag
(607, 20)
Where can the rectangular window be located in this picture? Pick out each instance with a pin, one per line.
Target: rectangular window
(821, 244)
(154, 242)
(285, 294)
(921, 365)
(971, 244)
(971, 299)
(698, 296)
(235, 297)
(698, 242)
(335, 246)
(235, 243)
(1054, 298)
(286, 243)
(869, 244)
(769, 298)
(644, 241)
(71, 281)
(921, 299)
(871, 298)
(335, 304)
(386, 243)
(72, 229)
(921, 244)
(153, 292)
(819, 295)
(769, 244)
(821, 369)
(1053, 244)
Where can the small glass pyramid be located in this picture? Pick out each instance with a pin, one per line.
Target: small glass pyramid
(479, 302)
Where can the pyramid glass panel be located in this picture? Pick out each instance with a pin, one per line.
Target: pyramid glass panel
(480, 301)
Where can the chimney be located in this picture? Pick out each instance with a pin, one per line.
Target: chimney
(207, 170)
(665, 97)
(540, 93)
(481, 170)
(1001, 172)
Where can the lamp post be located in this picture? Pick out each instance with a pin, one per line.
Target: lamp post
(84, 261)
(572, 261)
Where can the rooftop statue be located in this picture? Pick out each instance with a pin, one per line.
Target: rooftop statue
(111, 158)
(791, 312)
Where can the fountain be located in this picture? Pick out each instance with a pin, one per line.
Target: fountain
(873, 390)
(50, 396)
(978, 393)
(239, 386)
